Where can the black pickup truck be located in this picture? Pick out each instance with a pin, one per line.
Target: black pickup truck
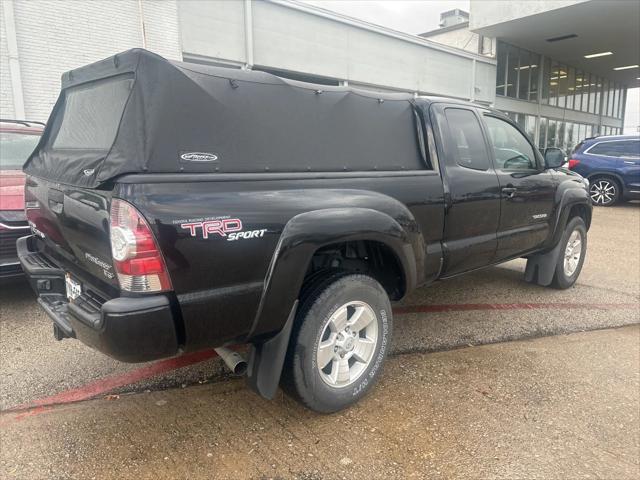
(177, 207)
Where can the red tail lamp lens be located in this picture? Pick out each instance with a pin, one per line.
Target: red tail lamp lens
(137, 258)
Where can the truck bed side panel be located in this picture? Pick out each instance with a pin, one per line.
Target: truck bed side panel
(219, 279)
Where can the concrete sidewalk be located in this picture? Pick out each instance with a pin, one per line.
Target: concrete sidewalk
(554, 407)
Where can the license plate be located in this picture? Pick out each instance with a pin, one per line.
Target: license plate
(74, 288)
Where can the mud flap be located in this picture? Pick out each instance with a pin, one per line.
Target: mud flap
(266, 360)
(541, 268)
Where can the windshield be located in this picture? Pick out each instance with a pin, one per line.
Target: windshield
(15, 148)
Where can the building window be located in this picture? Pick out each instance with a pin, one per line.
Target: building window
(593, 93)
(520, 71)
(501, 69)
(585, 92)
(562, 75)
(575, 138)
(551, 133)
(517, 72)
(621, 103)
(513, 67)
(546, 67)
(530, 126)
(524, 71)
(577, 93)
(571, 87)
(556, 74)
(542, 139)
(534, 71)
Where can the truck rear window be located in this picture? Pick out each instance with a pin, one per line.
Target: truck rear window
(91, 114)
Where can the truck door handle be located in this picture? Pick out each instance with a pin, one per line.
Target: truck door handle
(509, 191)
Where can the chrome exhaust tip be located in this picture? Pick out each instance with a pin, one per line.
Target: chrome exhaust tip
(234, 361)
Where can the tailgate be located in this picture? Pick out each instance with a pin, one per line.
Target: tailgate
(73, 224)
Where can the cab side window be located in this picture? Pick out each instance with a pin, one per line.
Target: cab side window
(466, 135)
(511, 149)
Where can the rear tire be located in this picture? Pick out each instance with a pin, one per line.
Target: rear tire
(604, 191)
(572, 254)
(339, 342)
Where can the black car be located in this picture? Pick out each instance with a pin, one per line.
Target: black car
(198, 207)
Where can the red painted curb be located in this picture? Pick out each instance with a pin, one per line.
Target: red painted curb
(107, 384)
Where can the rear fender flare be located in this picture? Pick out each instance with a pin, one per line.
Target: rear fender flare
(303, 235)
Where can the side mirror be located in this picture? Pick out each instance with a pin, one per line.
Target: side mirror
(553, 157)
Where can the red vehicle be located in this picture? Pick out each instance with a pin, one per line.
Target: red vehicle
(18, 138)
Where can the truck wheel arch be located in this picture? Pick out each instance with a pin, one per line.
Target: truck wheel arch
(570, 202)
(309, 232)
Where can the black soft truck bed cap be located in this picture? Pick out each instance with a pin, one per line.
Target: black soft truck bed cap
(137, 112)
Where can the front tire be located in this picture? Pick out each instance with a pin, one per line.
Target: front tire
(604, 191)
(339, 342)
(572, 254)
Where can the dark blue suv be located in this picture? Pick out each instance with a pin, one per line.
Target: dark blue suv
(612, 165)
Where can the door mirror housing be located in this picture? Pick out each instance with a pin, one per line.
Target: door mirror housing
(553, 157)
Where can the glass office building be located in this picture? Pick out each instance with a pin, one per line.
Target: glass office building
(556, 104)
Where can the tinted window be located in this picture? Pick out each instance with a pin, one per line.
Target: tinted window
(92, 115)
(631, 148)
(511, 148)
(625, 148)
(467, 137)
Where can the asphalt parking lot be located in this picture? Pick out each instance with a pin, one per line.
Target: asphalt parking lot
(489, 306)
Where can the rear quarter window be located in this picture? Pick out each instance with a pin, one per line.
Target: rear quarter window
(91, 115)
(468, 141)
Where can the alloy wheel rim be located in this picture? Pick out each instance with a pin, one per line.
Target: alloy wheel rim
(347, 344)
(602, 192)
(572, 253)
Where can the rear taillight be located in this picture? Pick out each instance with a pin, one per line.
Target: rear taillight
(136, 256)
(573, 163)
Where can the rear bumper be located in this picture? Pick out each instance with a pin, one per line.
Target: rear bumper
(126, 328)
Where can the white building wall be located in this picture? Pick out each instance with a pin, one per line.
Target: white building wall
(55, 36)
(465, 39)
(213, 29)
(461, 38)
(6, 92)
(300, 39)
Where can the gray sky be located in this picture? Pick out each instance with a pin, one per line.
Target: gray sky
(417, 16)
(409, 16)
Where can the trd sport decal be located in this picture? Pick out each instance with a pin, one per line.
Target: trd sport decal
(230, 228)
